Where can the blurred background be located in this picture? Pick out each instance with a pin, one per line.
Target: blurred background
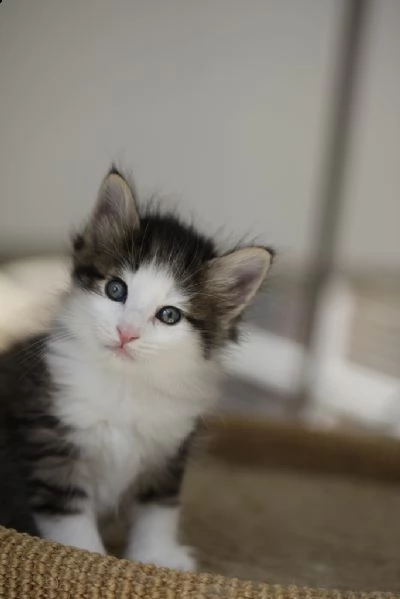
(278, 119)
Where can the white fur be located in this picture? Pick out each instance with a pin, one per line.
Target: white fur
(127, 413)
(79, 530)
(154, 540)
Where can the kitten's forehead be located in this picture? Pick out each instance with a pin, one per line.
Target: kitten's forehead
(161, 239)
(151, 285)
(164, 240)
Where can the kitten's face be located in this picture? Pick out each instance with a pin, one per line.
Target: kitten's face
(147, 286)
(137, 315)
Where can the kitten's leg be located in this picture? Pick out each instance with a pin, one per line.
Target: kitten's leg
(154, 535)
(76, 530)
(154, 538)
(63, 511)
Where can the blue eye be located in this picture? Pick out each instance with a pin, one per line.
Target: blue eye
(116, 290)
(169, 315)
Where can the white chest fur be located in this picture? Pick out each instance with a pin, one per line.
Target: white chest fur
(125, 423)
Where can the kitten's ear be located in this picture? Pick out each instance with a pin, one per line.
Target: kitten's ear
(115, 202)
(236, 277)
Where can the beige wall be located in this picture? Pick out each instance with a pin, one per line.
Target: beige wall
(221, 103)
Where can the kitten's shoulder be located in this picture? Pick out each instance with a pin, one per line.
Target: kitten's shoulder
(23, 367)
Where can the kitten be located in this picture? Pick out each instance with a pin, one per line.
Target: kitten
(105, 404)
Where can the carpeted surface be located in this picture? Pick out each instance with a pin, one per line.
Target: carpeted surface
(284, 505)
(291, 527)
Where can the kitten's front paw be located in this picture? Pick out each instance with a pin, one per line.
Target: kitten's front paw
(176, 557)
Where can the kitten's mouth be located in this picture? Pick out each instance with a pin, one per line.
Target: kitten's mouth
(120, 350)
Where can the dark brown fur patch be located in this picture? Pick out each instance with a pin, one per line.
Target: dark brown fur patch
(32, 435)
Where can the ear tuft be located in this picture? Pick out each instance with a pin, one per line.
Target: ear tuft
(236, 277)
(272, 252)
(116, 203)
(114, 170)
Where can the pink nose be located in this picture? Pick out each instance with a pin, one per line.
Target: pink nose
(126, 335)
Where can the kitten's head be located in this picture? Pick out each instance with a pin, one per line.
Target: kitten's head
(145, 285)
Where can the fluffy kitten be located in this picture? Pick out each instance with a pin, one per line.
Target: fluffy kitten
(104, 405)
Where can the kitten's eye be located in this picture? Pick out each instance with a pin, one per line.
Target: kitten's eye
(169, 315)
(116, 290)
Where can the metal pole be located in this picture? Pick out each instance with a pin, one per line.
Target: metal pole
(331, 194)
